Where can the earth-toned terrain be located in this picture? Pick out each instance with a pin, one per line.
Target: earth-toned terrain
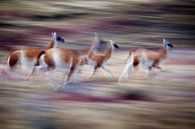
(166, 100)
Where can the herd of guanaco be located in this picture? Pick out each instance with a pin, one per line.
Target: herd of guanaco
(70, 60)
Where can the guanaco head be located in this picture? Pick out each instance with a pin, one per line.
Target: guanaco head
(168, 45)
(114, 45)
(57, 39)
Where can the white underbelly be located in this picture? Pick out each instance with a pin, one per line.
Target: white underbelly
(91, 62)
(58, 61)
(27, 62)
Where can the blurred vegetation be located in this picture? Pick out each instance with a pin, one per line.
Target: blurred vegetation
(127, 21)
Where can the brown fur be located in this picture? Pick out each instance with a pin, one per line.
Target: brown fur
(38, 57)
(68, 56)
(51, 43)
(155, 56)
(29, 54)
(99, 58)
(13, 58)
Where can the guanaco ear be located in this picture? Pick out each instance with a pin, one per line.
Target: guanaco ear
(95, 43)
(164, 42)
(54, 34)
(111, 42)
(96, 37)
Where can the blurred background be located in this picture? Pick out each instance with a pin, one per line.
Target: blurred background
(165, 101)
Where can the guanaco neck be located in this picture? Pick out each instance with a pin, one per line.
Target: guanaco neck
(109, 51)
(53, 43)
(163, 52)
(90, 52)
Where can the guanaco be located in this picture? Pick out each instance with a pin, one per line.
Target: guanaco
(148, 58)
(69, 60)
(28, 58)
(99, 60)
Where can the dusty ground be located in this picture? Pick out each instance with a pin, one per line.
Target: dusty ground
(164, 101)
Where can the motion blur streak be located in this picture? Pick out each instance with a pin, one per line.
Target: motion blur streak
(163, 101)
